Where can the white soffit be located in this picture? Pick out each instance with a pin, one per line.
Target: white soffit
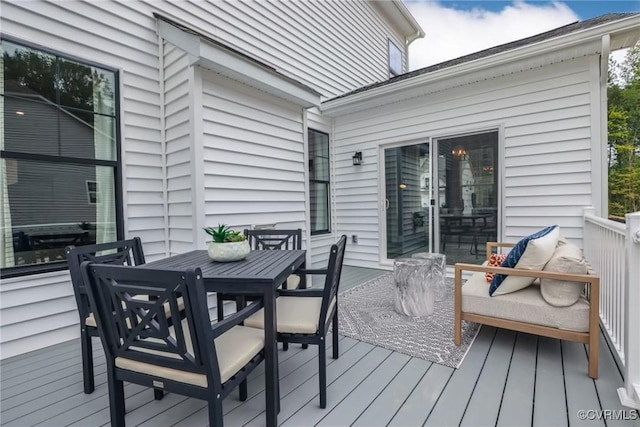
(236, 65)
(623, 33)
(398, 15)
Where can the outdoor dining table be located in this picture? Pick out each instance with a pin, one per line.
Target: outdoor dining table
(260, 273)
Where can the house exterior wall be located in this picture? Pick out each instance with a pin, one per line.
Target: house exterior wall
(548, 124)
(316, 43)
(178, 110)
(254, 169)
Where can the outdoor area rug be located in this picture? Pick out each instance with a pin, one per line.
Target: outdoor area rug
(366, 314)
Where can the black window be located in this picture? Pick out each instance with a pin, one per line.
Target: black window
(59, 158)
(395, 59)
(319, 181)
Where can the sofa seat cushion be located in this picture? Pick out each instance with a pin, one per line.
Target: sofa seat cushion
(525, 305)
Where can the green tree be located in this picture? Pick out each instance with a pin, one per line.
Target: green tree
(624, 134)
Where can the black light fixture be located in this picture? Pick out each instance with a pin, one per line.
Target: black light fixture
(357, 158)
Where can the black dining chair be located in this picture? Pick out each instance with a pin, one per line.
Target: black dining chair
(146, 344)
(266, 240)
(305, 315)
(123, 252)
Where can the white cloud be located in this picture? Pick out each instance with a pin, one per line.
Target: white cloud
(451, 33)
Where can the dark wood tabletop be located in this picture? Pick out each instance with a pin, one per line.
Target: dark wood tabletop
(251, 274)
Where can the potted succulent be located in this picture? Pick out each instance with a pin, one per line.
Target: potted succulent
(226, 244)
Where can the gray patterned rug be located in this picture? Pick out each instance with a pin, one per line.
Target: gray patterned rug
(366, 314)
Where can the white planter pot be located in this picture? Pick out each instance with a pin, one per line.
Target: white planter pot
(229, 251)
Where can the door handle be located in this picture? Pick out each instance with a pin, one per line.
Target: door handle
(386, 204)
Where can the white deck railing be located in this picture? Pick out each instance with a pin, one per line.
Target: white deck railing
(613, 249)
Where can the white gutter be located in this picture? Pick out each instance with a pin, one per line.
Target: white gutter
(404, 11)
(590, 35)
(397, 14)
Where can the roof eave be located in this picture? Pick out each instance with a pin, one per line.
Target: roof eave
(397, 13)
(239, 67)
(624, 33)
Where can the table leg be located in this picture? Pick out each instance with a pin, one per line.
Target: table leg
(271, 359)
(303, 277)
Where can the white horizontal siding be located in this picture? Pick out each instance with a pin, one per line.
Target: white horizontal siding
(333, 47)
(36, 311)
(178, 140)
(545, 118)
(254, 171)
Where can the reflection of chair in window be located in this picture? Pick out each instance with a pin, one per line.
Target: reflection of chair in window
(450, 226)
(418, 220)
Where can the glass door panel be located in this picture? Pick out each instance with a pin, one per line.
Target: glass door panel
(408, 196)
(467, 196)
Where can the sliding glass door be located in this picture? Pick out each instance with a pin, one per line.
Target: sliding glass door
(467, 195)
(407, 200)
(441, 196)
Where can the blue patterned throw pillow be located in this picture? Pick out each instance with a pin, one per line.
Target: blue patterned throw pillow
(515, 255)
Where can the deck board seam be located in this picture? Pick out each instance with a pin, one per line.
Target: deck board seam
(357, 385)
(475, 384)
(390, 381)
(328, 384)
(435, 403)
(506, 379)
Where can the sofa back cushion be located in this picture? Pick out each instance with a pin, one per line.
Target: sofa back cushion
(530, 253)
(567, 258)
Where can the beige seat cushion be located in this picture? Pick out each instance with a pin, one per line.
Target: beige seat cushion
(293, 281)
(235, 348)
(91, 320)
(525, 305)
(295, 315)
(567, 258)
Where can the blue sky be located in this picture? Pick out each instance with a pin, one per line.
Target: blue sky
(458, 27)
(585, 9)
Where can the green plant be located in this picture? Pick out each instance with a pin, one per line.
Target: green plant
(223, 233)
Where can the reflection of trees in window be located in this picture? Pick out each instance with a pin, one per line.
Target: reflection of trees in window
(59, 161)
(58, 80)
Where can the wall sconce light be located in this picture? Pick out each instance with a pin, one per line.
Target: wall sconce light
(459, 151)
(402, 186)
(357, 158)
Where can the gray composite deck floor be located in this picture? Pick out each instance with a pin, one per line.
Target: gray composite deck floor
(507, 379)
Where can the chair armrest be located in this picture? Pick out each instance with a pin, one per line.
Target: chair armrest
(307, 292)
(236, 318)
(311, 271)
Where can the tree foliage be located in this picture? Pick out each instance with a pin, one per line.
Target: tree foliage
(624, 134)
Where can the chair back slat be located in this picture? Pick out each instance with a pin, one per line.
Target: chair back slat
(138, 316)
(274, 239)
(332, 281)
(122, 252)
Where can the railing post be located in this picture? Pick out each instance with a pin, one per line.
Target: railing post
(630, 394)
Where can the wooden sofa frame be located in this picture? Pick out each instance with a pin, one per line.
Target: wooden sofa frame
(593, 292)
